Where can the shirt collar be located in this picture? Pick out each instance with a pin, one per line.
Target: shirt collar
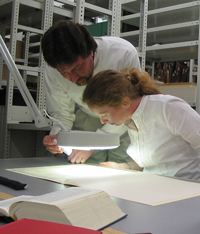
(141, 107)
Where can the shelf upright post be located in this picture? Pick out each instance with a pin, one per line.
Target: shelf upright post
(47, 20)
(191, 70)
(114, 20)
(143, 32)
(80, 12)
(198, 73)
(26, 50)
(10, 82)
(2, 108)
(2, 32)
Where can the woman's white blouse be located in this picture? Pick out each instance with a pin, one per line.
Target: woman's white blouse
(165, 137)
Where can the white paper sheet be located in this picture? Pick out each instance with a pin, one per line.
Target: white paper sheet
(142, 187)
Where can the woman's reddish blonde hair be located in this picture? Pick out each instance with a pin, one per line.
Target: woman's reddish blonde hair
(109, 87)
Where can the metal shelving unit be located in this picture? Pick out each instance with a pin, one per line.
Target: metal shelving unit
(171, 28)
(160, 30)
(22, 18)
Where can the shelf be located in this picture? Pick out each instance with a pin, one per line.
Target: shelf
(173, 52)
(172, 29)
(156, 4)
(166, 34)
(30, 14)
(26, 126)
(185, 91)
(172, 15)
(173, 33)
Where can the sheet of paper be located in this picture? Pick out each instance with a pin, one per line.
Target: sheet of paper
(142, 187)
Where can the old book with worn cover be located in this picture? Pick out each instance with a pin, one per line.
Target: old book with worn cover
(77, 206)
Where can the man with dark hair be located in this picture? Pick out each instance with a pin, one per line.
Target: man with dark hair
(73, 56)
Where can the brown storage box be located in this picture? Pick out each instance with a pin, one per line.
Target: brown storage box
(5, 72)
(19, 54)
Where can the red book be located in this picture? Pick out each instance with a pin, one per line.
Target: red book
(31, 226)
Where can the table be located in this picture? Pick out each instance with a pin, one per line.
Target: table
(180, 217)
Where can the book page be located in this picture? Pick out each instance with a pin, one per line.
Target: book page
(49, 198)
(67, 194)
(67, 174)
(5, 204)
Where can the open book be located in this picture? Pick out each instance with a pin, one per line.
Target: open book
(77, 206)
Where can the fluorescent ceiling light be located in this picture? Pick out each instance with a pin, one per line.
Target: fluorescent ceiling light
(66, 139)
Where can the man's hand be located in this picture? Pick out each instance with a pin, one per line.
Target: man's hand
(79, 156)
(51, 146)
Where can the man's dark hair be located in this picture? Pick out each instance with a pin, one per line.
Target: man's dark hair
(65, 41)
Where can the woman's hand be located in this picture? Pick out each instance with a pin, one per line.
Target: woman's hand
(111, 164)
(130, 165)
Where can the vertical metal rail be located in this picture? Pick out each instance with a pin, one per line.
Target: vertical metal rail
(143, 32)
(26, 51)
(113, 20)
(2, 128)
(10, 82)
(80, 12)
(198, 73)
(47, 20)
(2, 32)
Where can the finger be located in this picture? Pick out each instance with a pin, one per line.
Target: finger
(106, 164)
(49, 140)
(103, 163)
(54, 149)
(70, 156)
(76, 158)
(82, 160)
(79, 156)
